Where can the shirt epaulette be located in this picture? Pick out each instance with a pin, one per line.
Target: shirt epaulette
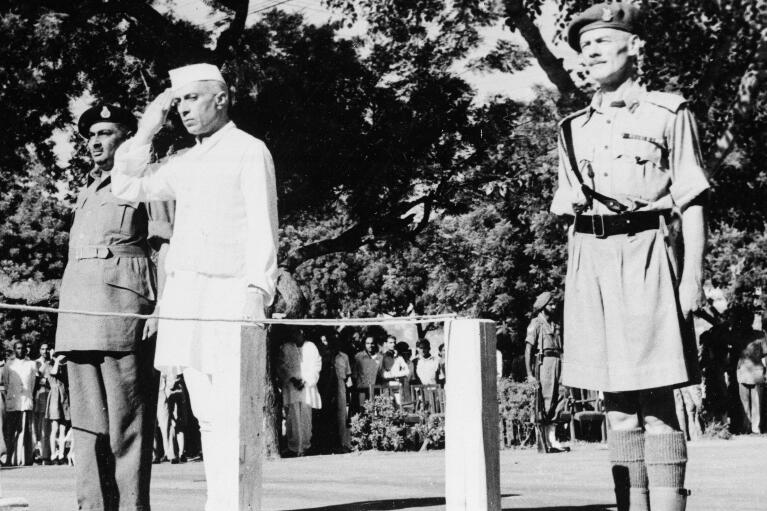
(577, 113)
(668, 100)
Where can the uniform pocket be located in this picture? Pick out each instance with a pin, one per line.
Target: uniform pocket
(122, 213)
(641, 159)
(131, 273)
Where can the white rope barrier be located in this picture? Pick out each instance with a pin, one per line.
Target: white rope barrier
(423, 318)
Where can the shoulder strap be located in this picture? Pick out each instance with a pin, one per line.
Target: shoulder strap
(591, 194)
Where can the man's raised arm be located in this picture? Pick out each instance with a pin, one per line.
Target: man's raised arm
(132, 178)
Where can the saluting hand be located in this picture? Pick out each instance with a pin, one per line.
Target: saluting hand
(154, 116)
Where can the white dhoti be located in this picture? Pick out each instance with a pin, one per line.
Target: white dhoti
(209, 354)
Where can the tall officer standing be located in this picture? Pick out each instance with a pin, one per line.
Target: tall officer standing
(112, 384)
(631, 174)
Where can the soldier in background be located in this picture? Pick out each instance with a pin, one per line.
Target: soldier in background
(543, 361)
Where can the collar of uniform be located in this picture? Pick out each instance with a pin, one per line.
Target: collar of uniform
(545, 321)
(629, 94)
(212, 139)
(99, 178)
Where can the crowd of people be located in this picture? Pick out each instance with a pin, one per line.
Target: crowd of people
(34, 408)
(323, 382)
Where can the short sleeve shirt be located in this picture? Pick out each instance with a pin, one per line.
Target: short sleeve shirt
(543, 334)
(638, 149)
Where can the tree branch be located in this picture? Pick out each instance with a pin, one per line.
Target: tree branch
(230, 38)
(517, 17)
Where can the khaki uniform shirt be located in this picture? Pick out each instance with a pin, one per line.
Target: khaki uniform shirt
(643, 148)
(544, 335)
(109, 268)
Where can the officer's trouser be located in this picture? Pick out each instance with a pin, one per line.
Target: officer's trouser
(551, 369)
(112, 400)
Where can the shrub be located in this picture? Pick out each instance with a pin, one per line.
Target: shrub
(515, 408)
(382, 426)
(432, 430)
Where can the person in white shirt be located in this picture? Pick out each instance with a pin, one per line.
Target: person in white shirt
(221, 262)
(19, 380)
(426, 365)
(299, 369)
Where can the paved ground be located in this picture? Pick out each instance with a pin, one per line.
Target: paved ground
(724, 475)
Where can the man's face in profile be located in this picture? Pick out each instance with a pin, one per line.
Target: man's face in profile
(198, 108)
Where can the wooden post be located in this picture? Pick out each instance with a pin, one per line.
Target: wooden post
(472, 461)
(253, 354)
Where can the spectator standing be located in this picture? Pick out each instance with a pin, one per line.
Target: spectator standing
(172, 412)
(299, 369)
(57, 409)
(750, 375)
(365, 371)
(343, 371)
(324, 420)
(426, 365)
(42, 426)
(395, 371)
(20, 377)
(442, 371)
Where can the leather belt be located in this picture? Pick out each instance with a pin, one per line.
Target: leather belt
(106, 251)
(552, 353)
(603, 226)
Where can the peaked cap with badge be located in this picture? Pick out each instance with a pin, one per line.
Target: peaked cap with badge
(105, 113)
(616, 15)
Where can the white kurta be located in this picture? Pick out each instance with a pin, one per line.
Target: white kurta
(224, 239)
(305, 364)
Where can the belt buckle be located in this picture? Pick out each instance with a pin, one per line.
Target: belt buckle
(601, 232)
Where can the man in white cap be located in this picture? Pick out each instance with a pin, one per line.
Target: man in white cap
(222, 263)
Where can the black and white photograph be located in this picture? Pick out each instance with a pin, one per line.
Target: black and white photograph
(383, 255)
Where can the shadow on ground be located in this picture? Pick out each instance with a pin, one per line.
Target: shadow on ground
(386, 505)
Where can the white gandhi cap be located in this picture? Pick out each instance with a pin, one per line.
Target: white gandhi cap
(182, 76)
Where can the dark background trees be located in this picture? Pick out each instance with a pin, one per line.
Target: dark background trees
(400, 187)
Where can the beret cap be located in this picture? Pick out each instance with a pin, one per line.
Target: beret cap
(617, 15)
(105, 113)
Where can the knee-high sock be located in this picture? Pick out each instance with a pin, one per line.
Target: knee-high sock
(627, 456)
(666, 460)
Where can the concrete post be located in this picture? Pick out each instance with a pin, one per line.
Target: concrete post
(472, 461)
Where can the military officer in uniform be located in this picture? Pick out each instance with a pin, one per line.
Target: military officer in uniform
(112, 384)
(631, 176)
(543, 352)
